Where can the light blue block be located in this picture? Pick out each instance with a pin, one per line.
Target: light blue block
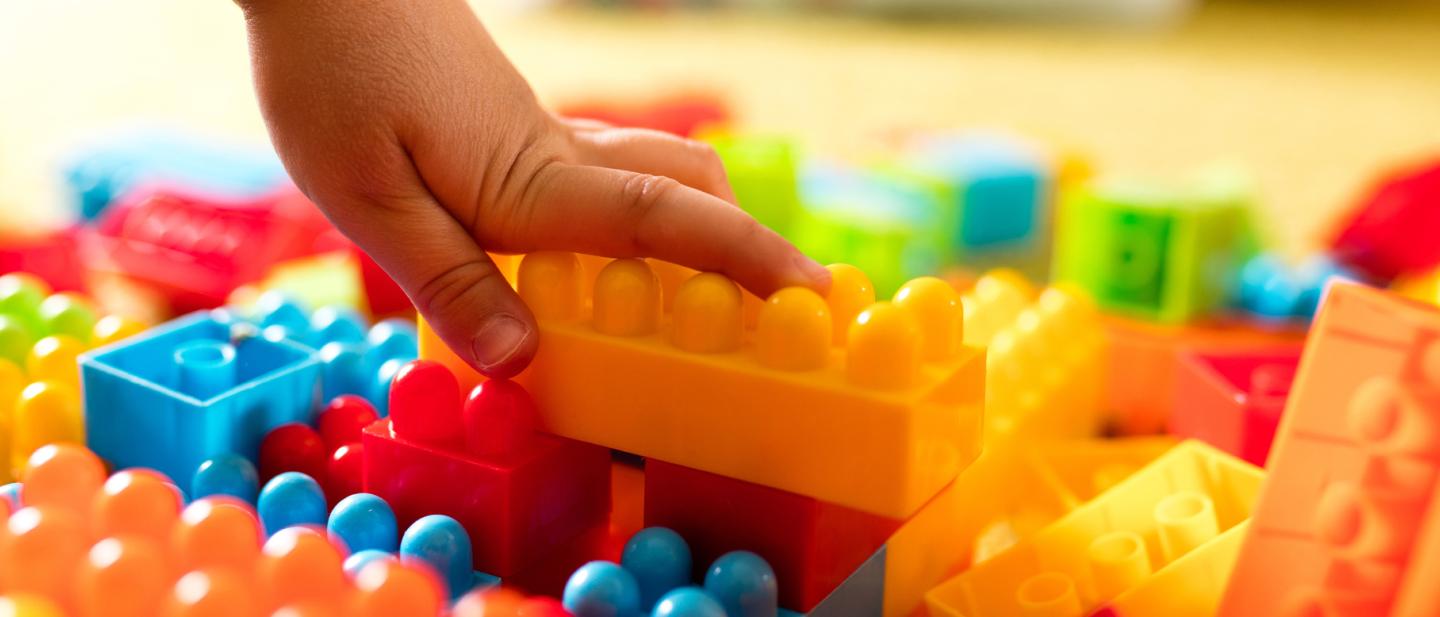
(139, 412)
(1002, 187)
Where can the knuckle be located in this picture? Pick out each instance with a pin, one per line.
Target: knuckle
(450, 288)
(639, 196)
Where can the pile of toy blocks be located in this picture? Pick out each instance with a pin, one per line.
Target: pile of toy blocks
(1038, 390)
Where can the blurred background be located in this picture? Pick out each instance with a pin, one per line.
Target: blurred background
(1312, 98)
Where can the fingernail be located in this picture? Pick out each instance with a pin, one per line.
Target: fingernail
(498, 340)
(818, 275)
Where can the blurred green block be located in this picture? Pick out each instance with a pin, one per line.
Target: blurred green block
(763, 173)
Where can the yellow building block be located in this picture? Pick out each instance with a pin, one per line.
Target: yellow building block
(1012, 491)
(1191, 585)
(877, 417)
(1167, 515)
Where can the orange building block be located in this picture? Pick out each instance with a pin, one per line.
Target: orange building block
(1013, 490)
(870, 405)
(1145, 359)
(1348, 522)
(1171, 514)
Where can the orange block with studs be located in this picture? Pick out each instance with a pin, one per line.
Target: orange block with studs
(876, 415)
(1349, 520)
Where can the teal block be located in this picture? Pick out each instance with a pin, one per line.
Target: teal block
(1002, 188)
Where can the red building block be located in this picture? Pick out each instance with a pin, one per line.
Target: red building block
(1392, 230)
(681, 115)
(520, 503)
(50, 255)
(1232, 399)
(194, 249)
(812, 545)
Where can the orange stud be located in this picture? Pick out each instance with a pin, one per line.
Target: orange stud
(850, 293)
(707, 315)
(210, 593)
(387, 588)
(308, 608)
(298, 565)
(114, 328)
(884, 348)
(64, 477)
(493, 602)
(122, 577)
(552, 285)
(12, 382)
(39, 556)
(937, 309)
(627, 299)
(217, 533)
(794, 331)
(48, 412)
(137, 502)
(671, 277)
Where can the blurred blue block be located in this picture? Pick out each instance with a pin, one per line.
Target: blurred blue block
(1002, 186)
(99, 173)
(228, 474)
(141, 402)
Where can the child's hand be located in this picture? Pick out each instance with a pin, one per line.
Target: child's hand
(411, 130)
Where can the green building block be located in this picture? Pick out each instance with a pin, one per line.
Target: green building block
(1166, 254)
(763, 174)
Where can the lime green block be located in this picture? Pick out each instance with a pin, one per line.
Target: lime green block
(1165, 254)
(762, 173)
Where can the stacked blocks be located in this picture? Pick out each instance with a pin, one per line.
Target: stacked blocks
(1154, 253)
(813, 546)
(869, 405)
(1233, 399)
(1173, 514)
(521, 494)
(1346, 524)
(192, 389)
(1046, 358)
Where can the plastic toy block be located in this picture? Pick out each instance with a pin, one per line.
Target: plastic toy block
(1009, 493)
(1190, 586)
(762, 172)
(1046, 359)
(1003, 188)
(1164, 254)
(1232, 400)
(1139, 529)
(99, 173)
(879, 423)
(680, 115)
(1145, 359)
(812, 545)
(1271, 289)
(192, 389)
(1390, 231)
(49, 255)
(1350, 504)
(862, 594)
(520, 493)
(194, 249)
(383, 295)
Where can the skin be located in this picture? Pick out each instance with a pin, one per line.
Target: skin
(408, 126)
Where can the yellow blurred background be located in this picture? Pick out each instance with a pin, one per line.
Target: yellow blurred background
(1314, 98)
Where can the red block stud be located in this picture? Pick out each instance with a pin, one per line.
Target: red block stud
(500, 420)
(425, 403)
(293, 447)
(342, 420)
(346, 473)
(521, 494)
(812, 545)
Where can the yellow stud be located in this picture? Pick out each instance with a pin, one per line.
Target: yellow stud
(794, 331)
(883, 350)
(113, 328)
(707, 315)
(28, 605)
(1186, 520)
(552, 285)
(1118, 562)
(936, 307)
(53, 359)
(12, 381)
(850, 293)
(627, 299)
(47, 412)
(672, 276)
(1049, 594)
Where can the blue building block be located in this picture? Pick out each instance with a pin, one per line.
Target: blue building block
(1274, 290)
(1002, 188)
(99, 173)
(159, 400)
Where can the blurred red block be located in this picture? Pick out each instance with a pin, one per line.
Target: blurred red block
(812, 545)
(681, 115)
(1233, 399)
(50, 255)
(1392, 230)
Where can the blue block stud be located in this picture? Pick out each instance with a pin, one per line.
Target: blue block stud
(364, 522)
(227, 474)
(602, 589)
(11, 493)
(441, 543)
(289, 499)
(744, 583)
(688, 602)
(357, 561)
(660, 561)
(338, 325)
(160, 400)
